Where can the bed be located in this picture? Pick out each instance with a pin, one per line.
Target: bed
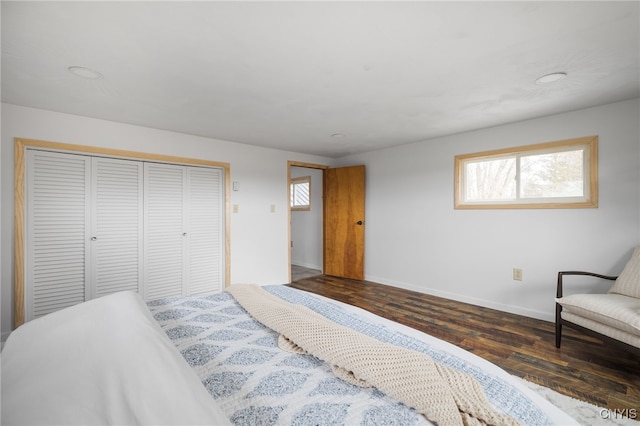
(206, 360)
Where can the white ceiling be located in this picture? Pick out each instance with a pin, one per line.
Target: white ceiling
(288, 75)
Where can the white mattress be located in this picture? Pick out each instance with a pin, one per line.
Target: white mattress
(103, 362)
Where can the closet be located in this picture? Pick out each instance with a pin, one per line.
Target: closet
(95, 225)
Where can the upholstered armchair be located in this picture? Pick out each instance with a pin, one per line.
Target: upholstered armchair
(613, 317)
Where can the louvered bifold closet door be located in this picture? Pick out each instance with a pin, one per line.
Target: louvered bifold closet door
(205, 235)
(164, 230)
(116, 238)
(57, 229)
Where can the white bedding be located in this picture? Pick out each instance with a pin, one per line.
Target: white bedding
(108, 361)
(102, 362)
(255, 382)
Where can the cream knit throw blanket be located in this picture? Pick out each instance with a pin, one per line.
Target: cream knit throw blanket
(443, 395)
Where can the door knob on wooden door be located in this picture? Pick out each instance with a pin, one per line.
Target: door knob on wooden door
(359, 222)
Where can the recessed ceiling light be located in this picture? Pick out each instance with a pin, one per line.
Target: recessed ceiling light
(85, 73)
(550, 78)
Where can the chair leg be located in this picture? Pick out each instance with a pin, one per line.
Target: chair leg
(558, 325)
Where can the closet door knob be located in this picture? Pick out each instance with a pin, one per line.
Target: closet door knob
(94, 238)
(184, 234)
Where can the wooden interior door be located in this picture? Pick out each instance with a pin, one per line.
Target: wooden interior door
(344, 222)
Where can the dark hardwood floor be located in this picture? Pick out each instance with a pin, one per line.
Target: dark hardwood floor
(582, 368)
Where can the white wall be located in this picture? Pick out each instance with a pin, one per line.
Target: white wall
(259, 238)
(306, 226)
(416, 240)
(414, 237)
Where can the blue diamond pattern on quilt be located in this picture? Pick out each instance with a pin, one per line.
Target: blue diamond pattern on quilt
(270, 341)
(228, 335)
(246, 354)
(250, 325)
(321, 414)
(211, 318)
(183, 331)
(219, 297)
(249, 357)
(279, 383)
(302, 388)
(233, 310)
(391, 415)
(172, 314)
(375, 393)
(301, 361)
(201, 353)
(251, 416)
(164, 301)
(335, 386)
(200, 303)
(225, 383)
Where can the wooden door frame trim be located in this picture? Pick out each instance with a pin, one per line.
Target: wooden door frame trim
(20, 147)
(291, 163)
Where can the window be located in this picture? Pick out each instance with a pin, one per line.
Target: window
(300, 193)
(559, 174)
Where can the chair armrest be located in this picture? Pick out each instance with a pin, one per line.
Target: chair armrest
(591, 274)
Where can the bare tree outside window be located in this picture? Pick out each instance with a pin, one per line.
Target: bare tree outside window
(550, 175)
(491, 180)
(558, 174)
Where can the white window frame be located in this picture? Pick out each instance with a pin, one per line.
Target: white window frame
(293, 183)
(588, 144)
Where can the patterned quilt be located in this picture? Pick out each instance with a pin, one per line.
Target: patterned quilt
(256, 383)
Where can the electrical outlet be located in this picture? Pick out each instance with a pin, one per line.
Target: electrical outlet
(517, 274)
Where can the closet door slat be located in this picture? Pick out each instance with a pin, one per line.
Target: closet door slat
(163, 230)
(56, 233)
(205, 191)
(117, 227)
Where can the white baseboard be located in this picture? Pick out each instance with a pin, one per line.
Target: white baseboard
(531, 313)
(307, 265)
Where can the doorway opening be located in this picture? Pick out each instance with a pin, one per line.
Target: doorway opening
(306, 220)
(333, 241)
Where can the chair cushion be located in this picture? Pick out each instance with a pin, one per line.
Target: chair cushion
(628, 282)
(615, 310)
(598, 327)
